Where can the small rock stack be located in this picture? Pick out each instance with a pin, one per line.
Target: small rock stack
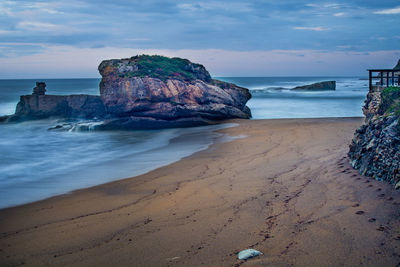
(40, 89)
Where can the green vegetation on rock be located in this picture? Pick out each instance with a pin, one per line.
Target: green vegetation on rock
(390, 103)
(164, 68)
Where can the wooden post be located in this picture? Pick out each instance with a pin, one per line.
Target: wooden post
(398, 79)
(381, 78)
(370, 79)
(387, 79)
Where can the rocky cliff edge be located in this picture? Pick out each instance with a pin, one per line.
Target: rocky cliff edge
(375, 148)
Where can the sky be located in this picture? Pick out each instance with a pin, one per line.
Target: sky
(69, 39)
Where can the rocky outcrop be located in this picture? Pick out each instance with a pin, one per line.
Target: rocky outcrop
(375, 148)
(41, 106)
(320, 86)
(143, 92)
(150, 91)
(71, 106)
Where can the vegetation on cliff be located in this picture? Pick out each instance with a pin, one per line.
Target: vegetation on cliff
(390, 103)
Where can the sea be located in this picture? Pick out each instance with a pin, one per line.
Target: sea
(36, 163)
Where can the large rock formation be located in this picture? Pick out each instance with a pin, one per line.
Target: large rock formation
(320, 86)
(375, 148)
(144, 92)
(147, 91)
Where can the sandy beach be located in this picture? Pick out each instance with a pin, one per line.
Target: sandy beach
(286, 188)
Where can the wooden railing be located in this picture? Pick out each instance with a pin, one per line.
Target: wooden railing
(384, 77)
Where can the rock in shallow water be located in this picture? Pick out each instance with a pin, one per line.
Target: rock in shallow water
(167, 90)
(144, 92)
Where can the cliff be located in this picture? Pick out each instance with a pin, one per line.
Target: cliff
(397, 67)
(147, 91)
(375, 148)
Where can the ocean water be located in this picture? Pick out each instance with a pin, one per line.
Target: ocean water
(272, 98)
(36, 163)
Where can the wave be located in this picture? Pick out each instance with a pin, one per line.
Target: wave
(7, 108)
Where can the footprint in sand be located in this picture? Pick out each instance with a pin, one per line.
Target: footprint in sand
(372, 220)
(356, 205)
(360, 212)
(370, 185)
(380, 228)
(379, 189)
(381, 195)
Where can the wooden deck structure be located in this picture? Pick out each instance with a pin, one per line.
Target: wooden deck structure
(384, 77)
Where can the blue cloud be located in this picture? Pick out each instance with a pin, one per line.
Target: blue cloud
(228, 25)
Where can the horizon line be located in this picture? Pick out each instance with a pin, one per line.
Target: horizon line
(275, 76)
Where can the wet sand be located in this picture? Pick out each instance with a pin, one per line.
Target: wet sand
(287, 189)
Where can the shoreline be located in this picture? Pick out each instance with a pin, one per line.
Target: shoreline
(112, 156)
(226, 124)
(286, 190)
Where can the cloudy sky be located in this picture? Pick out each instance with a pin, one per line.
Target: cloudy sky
(55, 39)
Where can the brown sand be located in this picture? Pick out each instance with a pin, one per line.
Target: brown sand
(286, 190)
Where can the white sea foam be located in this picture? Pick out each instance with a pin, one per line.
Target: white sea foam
(7, 108)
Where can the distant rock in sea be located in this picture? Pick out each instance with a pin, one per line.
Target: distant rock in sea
(320, 86)
(143, 92)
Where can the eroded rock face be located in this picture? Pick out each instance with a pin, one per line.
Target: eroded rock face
(321, 86)
(375, 148)
(189, 95)
(38, 105)
(372, 103)
(71, 106)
